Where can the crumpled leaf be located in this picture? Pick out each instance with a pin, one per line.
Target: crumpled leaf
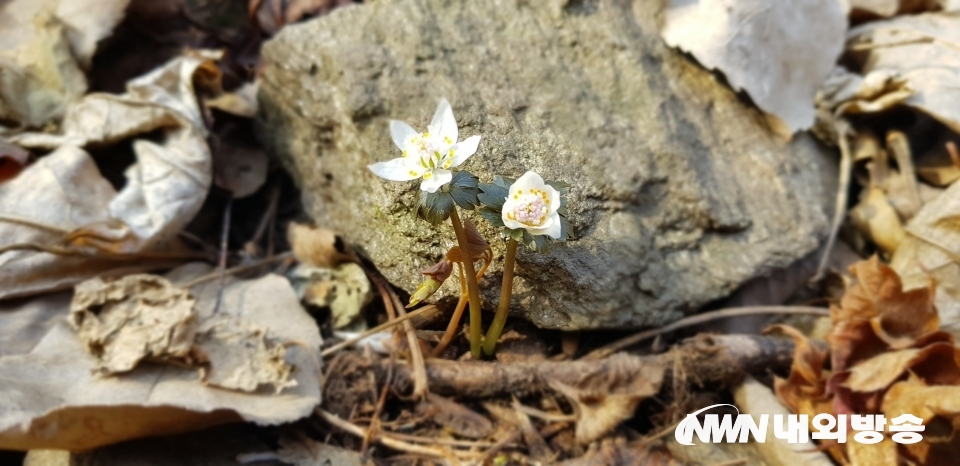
(929, 254)
(239, 356)
(778, 52)
(922, 50)
(844, 92)
(43, 46)
(345, 289)
(602, 403)
(882, 370)
(54, 388)
(241, 102)
(876, 218)
(913, 396)
(804, 391)
(886, 8)
(164, 189)
(137, 317)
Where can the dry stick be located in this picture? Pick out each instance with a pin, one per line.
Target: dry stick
(392, 303)
(388, 324)
(438, 441)
(618, 345)
(96, 254)
(534, 412)
(503, 307)
(375, 421)
(492, 451)
(473, 290)
(266, 220)
(846, 170)
(222, 265)
(454, 319)
(358, 431)
(420, 388)
(237, 269)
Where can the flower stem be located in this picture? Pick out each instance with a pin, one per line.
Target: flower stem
(473, 291)
(503, 308)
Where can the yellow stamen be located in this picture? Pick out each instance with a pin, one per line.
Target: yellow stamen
(427, 175)
(447, 140)
(413, 173)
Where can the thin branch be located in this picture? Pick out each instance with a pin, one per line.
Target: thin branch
(399, 445)
(430, 308)
(843, 189)
(618, 345)
(237, 269)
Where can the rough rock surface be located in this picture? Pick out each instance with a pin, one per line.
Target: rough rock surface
(679, 191)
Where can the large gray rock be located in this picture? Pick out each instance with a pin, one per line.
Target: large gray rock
(680, 192)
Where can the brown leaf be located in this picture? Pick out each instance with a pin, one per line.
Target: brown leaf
(138, 317)
(804, 390)
(454, 416)
(317, 246)
(876, 218)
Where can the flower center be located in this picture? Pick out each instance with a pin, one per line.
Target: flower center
(531, 208)
(430, 152)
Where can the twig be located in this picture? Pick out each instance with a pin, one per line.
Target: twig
(375, 421)
(420, 387)
(224, 239)
(390, 323)
(735, 462)
(358, 431)
(237, 269)
(542, 414)
(500, 445)
(33, 223)
(265, 221)
(699, 319)
(97, 253)
(438, 441)
(843, 188)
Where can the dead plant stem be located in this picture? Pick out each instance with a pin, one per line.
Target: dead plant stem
(843, 188)
(503, 307)
(388, 324)
(473, 290)
(618, 345)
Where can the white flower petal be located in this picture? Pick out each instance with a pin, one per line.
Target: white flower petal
(401, 133)
(554, 198)
(396, 170)
(529, 180)
(551, 227)
(438, 178)
(444, 125)
(508, 206)
(464, 149)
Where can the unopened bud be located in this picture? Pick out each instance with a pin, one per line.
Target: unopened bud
(424, 291)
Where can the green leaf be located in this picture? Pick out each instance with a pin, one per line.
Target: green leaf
(503, 182)
(435, 207)
(491, 216)
(492, 196)
(464, 190)
(516, 235)
(565, 232)
(536, 242)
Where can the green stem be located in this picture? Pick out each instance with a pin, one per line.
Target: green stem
(503, 308)
(473, 291)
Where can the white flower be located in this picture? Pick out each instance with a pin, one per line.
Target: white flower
(429, 155)
(532, 205)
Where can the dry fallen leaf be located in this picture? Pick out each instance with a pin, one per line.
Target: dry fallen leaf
(876, 219)
(886, 8)
(929, 254)
(317, 246)
(922, 50)
(53, 398)
(137, 317)
(455, 417)
(345, 289)
(603, 402)
(164, 189)
(778, 52)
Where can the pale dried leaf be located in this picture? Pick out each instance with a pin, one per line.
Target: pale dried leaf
(778, 52)
(239, 356)
(344, 289)
(304, 451)
(923, 50)
(317, 246)
(240, 102)
(54, 387)
(888, 8)
(752, 397)
(929, 254)
(138, 317)
(164, 189)
(880, 371)
(876, 218)
(879, 454)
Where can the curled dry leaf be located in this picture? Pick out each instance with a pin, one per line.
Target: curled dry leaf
(804, 391)
(866, 9)
(164, 189)
(922, 50)
(929, 254)
(605, 400)
(237, 355)
(876, 218)
(55, 386)
(778, 52)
